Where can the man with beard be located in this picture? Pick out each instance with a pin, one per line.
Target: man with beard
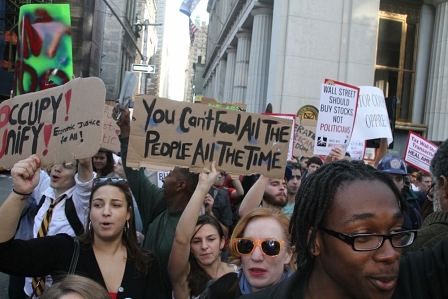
(160, 208)
(292, 186)
(266, 193)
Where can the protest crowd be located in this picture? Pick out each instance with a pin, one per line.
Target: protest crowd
(239, 214)
(363, 231)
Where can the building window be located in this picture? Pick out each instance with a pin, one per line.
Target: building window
(395, 60)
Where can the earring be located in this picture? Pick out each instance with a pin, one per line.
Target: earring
(177, 189)
(90, 225)
(126, 227)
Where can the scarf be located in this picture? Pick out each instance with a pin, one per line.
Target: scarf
(245, 286)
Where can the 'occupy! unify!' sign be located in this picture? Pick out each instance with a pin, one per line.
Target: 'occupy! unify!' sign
(59, 124)
(337, 111)
(169, 133)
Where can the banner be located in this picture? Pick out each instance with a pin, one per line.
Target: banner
(372, 120)
(305, 134)
(357, 149)
(292, 118)
(44, 50)
(337, 112)
(231, 106)
(111, 131)
(59, 124)
(168, 133)
(419, 152)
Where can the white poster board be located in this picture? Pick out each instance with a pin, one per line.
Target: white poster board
(372, 120)
(419, 152)
(357, 149)
(337, 112)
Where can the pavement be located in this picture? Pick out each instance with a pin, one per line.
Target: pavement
(5, 189)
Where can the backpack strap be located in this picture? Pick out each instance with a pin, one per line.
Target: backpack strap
(41, 202)
(72, 217)
(75, 256)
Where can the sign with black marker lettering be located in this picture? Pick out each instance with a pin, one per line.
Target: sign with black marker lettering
(168, 133)
(59, 124)
(372, 120)
(337, 112)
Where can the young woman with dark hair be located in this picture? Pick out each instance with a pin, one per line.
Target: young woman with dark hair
(103, 162)
(195, 258)
(108, 254)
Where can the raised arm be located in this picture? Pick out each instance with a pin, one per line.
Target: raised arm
(25, 177)
(178, 265)
(85, 170)
(254, 196)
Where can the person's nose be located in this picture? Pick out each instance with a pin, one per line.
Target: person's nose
(106, 210)
(386, 253)
(257, 255)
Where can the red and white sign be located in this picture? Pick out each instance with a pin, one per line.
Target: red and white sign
(337, 112)
(419, 152)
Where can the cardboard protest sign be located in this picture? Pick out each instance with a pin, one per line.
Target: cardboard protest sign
(44, 51)
(111, 131)
(291, 117)
(59, 124)
(356, 149)
(231, 106)
(419, 152)
(304, 138)
(372, 120)
(169, 133)
(337, 112)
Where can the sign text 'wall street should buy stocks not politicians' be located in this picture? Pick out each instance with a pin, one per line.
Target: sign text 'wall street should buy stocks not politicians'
(169, 133)
(337, 111)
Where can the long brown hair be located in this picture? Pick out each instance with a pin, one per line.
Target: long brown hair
(139, 258)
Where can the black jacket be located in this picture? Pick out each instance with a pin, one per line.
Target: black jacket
(52, 256)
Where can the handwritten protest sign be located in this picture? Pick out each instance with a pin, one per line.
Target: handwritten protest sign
(372, 120)
(111, 131)
(356, 149)
(419, 152)
(169, 133)
(337, 111)
(291, 117)
(231, 106)
(44, 50)
(304, 138)
(59, 124)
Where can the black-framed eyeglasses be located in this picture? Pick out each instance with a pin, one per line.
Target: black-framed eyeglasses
(430, 189)
(269, 247)
(369, 242)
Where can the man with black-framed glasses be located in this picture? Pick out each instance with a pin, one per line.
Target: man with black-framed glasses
(349, 237)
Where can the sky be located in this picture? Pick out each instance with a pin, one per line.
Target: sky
(178, 36)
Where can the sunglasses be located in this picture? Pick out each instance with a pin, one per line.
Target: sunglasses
(115, 181)
(269, 247)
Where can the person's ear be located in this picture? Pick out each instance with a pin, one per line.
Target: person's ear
(181, 185)
(315, 247)
(222, 243)
(289, 254)
(443, 187)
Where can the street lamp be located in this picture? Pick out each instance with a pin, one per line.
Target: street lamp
(139, 27)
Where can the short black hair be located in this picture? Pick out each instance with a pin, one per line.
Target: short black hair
(317, 195)
(314, 160)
